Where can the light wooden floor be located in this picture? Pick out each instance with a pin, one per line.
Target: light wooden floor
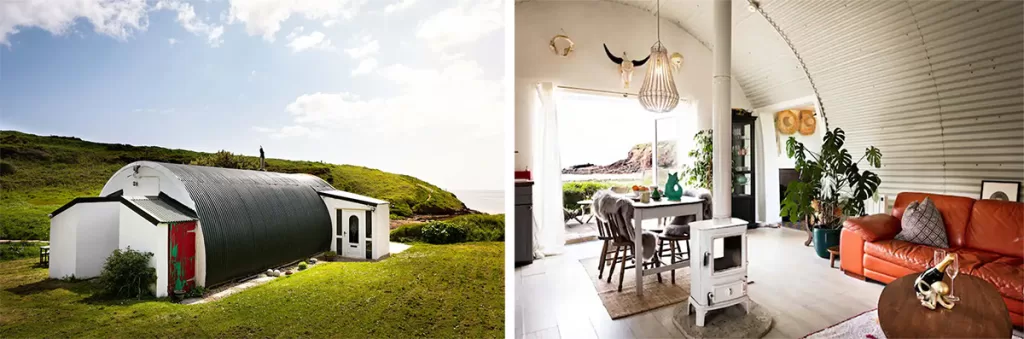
(555, 299)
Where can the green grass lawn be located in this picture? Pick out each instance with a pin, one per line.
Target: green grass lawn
(427, 291)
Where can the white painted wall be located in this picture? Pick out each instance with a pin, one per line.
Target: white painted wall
(333, 206)
(774, 157)
(812, 142)
(152, 179)
(381, 225)
(141, 235)
(95, 236)
(63, 243)
(381, 231)
(81, 239)
(200, 255)
(589, 24)
(768, 172)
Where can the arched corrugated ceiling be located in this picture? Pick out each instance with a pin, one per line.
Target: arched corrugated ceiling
(938, 86)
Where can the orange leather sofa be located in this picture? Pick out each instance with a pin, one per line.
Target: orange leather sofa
(988, 235)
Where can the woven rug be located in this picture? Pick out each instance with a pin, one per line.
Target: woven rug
(627, 303)
(864, 325)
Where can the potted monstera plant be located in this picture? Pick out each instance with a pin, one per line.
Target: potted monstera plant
(831, 186)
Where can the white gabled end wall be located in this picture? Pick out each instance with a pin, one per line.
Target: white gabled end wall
(81, 239)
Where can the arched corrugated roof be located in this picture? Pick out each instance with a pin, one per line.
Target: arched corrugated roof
(253, 220)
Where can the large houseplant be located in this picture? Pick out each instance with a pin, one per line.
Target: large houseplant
(699, 173)
(831, 186)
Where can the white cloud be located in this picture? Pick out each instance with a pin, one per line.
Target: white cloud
(314, 40)
(365, 66)
(448, 99)
(367, 46)
(329, 23)
(291, 132)
(191, 23)
(398, 6)
(172, 41)
(295, 32)
(465, 23)
(448, 115)
(116, 19)
(264, 17)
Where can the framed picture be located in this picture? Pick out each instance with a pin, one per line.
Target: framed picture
(999, 190)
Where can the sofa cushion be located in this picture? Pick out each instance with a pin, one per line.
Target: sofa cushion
(922, 224)
(997, 226)
(971, 259)
(902, 253)
(920, 257)
(1007, 276)
(955, 212)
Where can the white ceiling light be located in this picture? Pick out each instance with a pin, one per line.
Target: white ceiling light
(658, 93)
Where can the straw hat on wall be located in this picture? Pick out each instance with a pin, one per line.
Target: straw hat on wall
(786, 122)
(807, 122)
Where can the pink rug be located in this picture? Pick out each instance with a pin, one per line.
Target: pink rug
(864, 325)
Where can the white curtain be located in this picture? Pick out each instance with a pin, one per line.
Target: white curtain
(687, 128)
(549, 225)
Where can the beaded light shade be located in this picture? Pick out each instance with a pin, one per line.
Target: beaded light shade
(658, 93)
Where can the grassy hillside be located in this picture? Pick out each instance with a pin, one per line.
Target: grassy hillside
(39, 174)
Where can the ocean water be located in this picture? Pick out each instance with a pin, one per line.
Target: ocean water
(487, 201)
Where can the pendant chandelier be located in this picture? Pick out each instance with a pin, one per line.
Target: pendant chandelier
(658, 93)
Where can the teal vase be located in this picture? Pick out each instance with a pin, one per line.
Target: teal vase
(673, 191)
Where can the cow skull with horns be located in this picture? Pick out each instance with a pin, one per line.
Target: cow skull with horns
(625, 65)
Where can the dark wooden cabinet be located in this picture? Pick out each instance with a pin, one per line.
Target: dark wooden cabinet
(744, 171)
(524, 222)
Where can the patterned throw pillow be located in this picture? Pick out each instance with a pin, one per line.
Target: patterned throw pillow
(922, 224)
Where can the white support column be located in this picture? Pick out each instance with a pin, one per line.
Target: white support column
(654, 156)
(721, 111)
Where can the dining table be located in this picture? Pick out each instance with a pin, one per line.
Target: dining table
(662, 208)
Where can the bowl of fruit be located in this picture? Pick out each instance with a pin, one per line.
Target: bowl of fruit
(642, 192)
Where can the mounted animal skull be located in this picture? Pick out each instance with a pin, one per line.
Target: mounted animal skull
(625, 65)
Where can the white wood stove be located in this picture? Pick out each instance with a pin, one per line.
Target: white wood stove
(718, 269)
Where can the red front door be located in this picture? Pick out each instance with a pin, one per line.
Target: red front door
(181, 254)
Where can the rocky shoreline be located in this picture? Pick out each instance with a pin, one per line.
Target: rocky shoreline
(637, 160)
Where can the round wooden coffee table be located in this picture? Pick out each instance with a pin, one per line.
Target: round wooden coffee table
(980, 313)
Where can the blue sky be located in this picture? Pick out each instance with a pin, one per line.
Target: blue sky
(406, 86)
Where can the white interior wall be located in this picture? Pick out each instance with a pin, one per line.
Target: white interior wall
(768, 178)
(589, 24)
(774, 157)
(95, 236)
(141, 235)
(62, 243)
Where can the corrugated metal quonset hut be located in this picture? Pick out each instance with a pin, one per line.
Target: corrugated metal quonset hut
(209, 225)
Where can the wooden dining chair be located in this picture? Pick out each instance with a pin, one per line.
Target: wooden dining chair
(604, 235)
(675, 251)
(625, 251)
